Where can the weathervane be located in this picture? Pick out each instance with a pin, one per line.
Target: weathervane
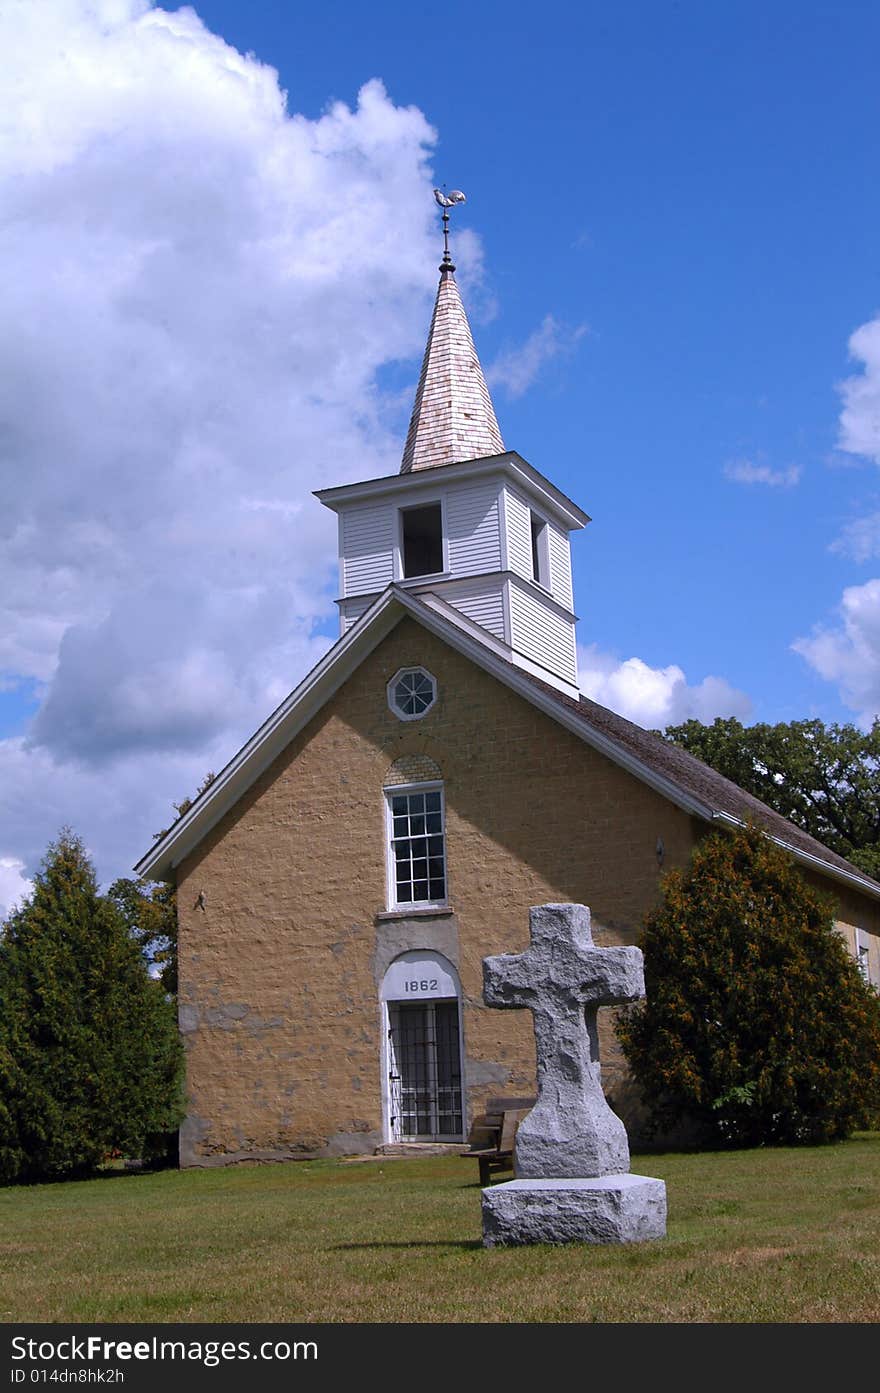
(447, 201)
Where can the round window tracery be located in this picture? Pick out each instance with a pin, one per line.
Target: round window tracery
(411, 693)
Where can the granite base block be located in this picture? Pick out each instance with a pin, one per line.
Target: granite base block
(602, 1209)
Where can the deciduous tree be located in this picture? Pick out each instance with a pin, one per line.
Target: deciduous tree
(150, 909)
(826, 779)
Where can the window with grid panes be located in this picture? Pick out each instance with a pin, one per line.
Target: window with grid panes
(418, 852)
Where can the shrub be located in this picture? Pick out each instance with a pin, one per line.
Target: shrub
(757, 1025)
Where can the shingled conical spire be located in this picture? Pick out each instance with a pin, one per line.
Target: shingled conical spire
(453, 417)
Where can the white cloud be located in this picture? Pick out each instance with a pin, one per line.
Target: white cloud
(517, 368)
(655, 697)
(860, 539)
(745, 471)
(189, 343)
(216, 674)
(14, 885)
(849, 654)
(860, 417)
(116, 809)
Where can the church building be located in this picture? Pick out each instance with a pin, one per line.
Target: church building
(390, 825)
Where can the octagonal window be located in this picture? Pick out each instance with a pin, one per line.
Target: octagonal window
(411, 692)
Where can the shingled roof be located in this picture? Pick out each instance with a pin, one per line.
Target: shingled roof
(453, 417)
(692, 776)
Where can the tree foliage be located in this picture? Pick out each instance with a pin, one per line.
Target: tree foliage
(826, 779)
(757, 1025)
(183, 807)
(150, 909)
(90, 1056)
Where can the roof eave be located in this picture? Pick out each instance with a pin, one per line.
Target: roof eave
(320, 684)
(337, 665)
(807, 858)
(509, 463)
(505, 671)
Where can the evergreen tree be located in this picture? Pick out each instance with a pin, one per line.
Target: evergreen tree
(757, 1025)
(90, 1056)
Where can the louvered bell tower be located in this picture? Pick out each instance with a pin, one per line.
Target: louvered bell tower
(465, 523)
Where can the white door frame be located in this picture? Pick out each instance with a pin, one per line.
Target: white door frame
(419, 974)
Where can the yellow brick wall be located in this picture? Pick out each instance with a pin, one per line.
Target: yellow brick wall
(854, 912)
(281, 961)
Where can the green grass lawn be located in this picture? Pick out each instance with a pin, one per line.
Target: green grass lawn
(776, 1235)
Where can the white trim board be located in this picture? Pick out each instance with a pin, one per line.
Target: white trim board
(510, 464)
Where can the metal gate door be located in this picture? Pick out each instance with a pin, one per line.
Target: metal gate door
(425, 1070)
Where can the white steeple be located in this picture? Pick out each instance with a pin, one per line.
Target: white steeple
(464, 521)
(453, 417)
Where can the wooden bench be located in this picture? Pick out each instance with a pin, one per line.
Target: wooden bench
(493, 1133)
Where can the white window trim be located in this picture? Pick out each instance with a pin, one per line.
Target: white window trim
(398, 543)
(391, 902)
(863, 958)
(544, 580)
(389, 690)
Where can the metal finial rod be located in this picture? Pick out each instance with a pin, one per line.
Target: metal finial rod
(446, 202)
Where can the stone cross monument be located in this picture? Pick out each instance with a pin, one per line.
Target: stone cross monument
(572, 1157)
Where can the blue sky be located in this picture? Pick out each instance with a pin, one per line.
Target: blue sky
(697, 184)
(219, 303)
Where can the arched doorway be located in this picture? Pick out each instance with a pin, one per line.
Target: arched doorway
(422, 1059)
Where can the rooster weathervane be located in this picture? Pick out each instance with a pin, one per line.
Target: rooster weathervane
(447, 201)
